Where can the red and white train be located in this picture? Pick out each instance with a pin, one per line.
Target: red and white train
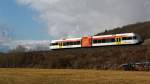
(92, 41)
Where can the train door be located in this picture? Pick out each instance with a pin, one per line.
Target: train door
(118, 40)
(87, 41)
(60, 44)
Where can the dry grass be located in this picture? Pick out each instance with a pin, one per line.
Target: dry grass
(66, 76)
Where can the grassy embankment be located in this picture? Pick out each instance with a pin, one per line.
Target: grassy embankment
(61, 76)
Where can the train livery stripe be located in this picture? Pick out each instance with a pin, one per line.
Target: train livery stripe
(69, 41)
(99, 38)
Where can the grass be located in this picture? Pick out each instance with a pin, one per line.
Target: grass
(69, 76)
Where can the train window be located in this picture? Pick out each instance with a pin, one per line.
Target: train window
(134, 37)
(54, 44)
(112, 40)
(74, 43)
(94, 41)
(103, 41)
(124, 38)
(99, 41)
(71, 43)
(107, 40)
(65, 44)
(127, 38)
(78, 42)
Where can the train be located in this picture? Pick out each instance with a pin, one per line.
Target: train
(96, 41)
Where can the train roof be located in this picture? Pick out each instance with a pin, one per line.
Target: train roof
(126, 34)
(72, 39)
(111, 35)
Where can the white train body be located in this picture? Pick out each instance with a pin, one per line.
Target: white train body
(102, 40)
(61, 43)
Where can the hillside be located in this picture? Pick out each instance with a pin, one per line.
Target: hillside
(142, 29)
(110, 57)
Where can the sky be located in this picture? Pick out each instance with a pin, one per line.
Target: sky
(33, 21)
(20, 21)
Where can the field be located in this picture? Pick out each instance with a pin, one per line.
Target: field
(68, 76)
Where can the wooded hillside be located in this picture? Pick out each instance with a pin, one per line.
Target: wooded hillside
(110, 57)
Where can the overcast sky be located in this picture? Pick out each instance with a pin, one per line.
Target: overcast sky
(54, 19)
(87, 17)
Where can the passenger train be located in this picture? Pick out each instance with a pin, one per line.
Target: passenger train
(92, 41)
